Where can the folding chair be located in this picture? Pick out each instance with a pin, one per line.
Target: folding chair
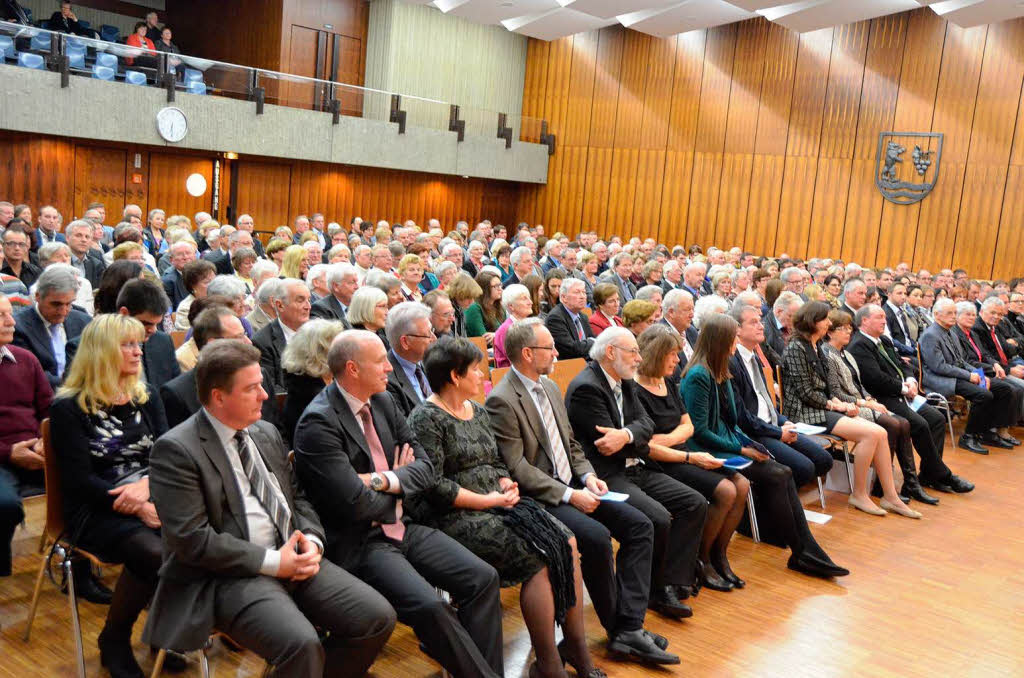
(827, 441)
(937, 400)
(204, 659)
(60, 547)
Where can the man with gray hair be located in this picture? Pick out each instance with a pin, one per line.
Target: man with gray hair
(316, 279)
(793, 279)
(677, 314)
(342, 282)
(264, 296)
(79, 239)
(610, 422)
(47, 327)
(552, 256)
(945, 370)
(410, 335)
(181, 253)
(671, 276)
(970, 344)
(618, 274)
(778, 325)
(521, 261)
(571, 331)
(855, 294)
(246, 224)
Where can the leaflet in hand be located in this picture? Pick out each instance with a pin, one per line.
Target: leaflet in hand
(612, 496)
(737, 463)
(917, 402)
(808, 429)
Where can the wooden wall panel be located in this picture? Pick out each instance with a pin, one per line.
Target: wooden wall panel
(268, 208)
(771, 138)
(99, 177)
(167, 175)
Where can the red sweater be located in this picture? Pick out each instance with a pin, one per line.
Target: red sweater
(25, 397)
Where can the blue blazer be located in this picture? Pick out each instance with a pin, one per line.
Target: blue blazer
(30, 333)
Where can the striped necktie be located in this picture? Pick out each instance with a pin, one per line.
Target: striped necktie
(278, 511)
(558, 455)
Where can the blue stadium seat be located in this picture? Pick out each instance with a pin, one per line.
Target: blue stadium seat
(84, 24)
(110, 33)
(108, 60)
(45, 23)
(30, 60)
(76, 57)
(192, 74)
(135, 77)
(41, 42)
(28, 13)
(196, 87)
(102, 72)
(7, 47)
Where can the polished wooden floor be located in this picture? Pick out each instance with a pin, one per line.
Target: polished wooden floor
(939, 597)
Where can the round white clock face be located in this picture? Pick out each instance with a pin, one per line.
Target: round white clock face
(172, 124)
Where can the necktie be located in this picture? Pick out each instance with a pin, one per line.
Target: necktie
(902, 319)
(421, 378)
(999, 347)
(275, 508)
(579, 327)
(977, 351)
(762, 389)
(625, 290)
(617, 392)
(888, 358)
(558, 455)
(57, 344)
(395, 530)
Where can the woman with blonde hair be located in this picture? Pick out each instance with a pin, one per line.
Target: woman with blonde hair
(369, 311)
(410, 272)
(294, 264)
(103, 423)
(304, 363)
(638, 315)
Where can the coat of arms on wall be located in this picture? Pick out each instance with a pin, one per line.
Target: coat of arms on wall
(907, 166)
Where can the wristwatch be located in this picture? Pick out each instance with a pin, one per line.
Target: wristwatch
(377, 482)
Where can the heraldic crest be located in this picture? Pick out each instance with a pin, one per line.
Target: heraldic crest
(906, 180)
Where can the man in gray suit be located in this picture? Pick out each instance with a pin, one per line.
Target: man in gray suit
(532, 430)
(622, 266)
(242, 546)
(946, 371)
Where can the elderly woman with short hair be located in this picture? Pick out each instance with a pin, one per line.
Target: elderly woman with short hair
(638, 315)
(242, 261)
(462, 291)
(59, 253)
(410, 273)
(234, 289)
(518, 305)
(445, 272)
(369, 311)
(304, 363)
(386, 283)
(706, 306)
(196, 276)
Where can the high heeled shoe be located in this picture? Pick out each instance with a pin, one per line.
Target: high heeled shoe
(866, 506)
(901, 509)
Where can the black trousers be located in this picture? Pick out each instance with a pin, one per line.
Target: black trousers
(928, 431)
(11, 514)
(468, 642)
(677, 513)
(619, 591)
(779, 508)
(990, 407)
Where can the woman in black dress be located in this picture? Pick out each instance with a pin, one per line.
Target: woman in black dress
(103, 423)
(476, 502)
(725, 489)
(304, 364)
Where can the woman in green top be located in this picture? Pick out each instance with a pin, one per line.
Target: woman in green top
(485, 315)
(717, 419)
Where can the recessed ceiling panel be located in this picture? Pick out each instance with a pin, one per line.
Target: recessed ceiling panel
(606, 9)
(978, 13)
(688, 16)
(555, 24)
(839, 12)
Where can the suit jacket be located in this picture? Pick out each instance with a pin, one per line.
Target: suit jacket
(523, 441)
(330, 452)
(30, 333)
(270, 341)
(174, 287)
(773, 335)
(971, 356)
(258, 319)
(942, 361)
(400, 388)
(221, 260)
(623, 285)
(878, 375)
(181, 400)
(566, 336)
(695, 293)
(94, 267)
(691, 339)
(983, 338)
(844, 381)
(904, 344)
(512, 279)
(590, 403)
(469, 267)
(805, 382)
(853, 314)
(329, 308)
(743, 391)
(205, 530)
(37, 238)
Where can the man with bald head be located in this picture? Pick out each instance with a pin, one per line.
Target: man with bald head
(245, 223)
(357, 459)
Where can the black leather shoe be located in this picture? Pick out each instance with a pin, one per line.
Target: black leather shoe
(808, 564)
(658, 639)
(709, 577)
(637, 646)
(87, 586)
(917, 493)
(959, 485)
(1010, 439)
(116, 655)
(736, 582)
(664, 601)
(993, 440)
(971, 444)
(938, 485)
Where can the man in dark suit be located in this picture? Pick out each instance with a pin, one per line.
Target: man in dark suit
(242, 544)
(342, 281)
(989, 336)
(410, 335)
(855, 294)
(571, 330)
(970, 345)
(47, 327)
(356, 458)
(48, 229)
(677, 313)
(804, 457)
(17, 261)
(882, 374)
(946, 371)
(246, 223)
(179, 254)
(611, 424)
(292, 312)
(693, 279)
(672, 276)
(896, 321)
(80, 239)
(779, 323)
(618, 275)
(521, 261)
(531, 428)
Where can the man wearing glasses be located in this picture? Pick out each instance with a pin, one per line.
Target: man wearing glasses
(16, 258)
(614, 429)
(442, 316)
(410, 334)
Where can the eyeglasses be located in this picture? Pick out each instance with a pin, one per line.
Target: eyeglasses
(634, 351)
(16, 245)
(432, 335)
(542, 348)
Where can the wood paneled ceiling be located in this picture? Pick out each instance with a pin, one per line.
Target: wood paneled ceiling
(553, 19)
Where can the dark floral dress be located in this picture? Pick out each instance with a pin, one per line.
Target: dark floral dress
(465, 455)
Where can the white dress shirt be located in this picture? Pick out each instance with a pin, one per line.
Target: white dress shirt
(613, 383)
(764, 412)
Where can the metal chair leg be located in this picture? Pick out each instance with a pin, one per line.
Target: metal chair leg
(204, 663)
(849, 464)
(75, 622)
(821, 493)
(752, 515)
(35, 597)
(158, 665)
